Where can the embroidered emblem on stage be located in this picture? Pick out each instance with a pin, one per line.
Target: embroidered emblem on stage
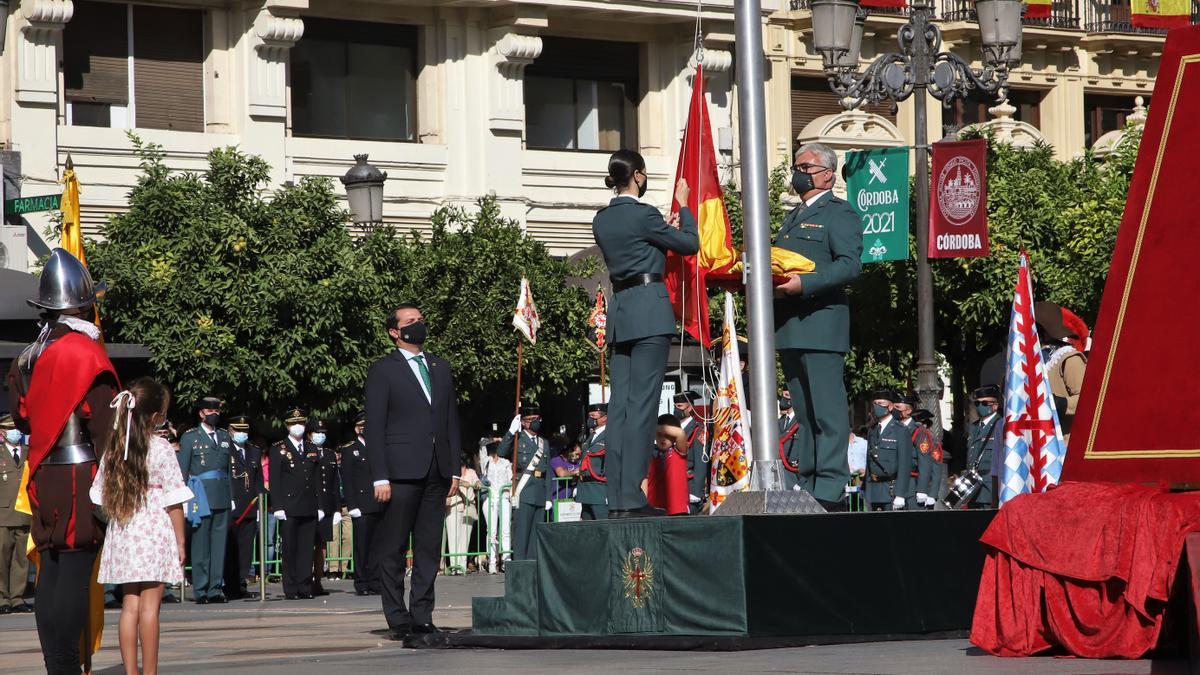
(637, 573)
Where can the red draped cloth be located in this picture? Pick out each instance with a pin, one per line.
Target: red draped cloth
(666, 484)
(1085, 567)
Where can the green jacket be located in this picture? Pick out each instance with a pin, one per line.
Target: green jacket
(198, 455)
(890, 463)
(635, 239)
(829, 233)
(591, 490)
(538, 488)
(981, 442)
(697, 467)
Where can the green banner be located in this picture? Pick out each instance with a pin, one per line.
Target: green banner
(877, 187)
(30, 204)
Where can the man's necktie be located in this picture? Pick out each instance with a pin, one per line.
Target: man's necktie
(420, 359)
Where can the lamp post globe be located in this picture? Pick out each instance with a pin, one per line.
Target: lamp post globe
(364, 191)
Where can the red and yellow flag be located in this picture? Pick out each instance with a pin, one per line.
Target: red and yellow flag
(71, 236)
(1161, 13)
(1037, 9)
(686, 275)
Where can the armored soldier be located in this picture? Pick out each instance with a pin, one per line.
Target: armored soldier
(204, 460)
(365, 512)
(789, 448)
(696, 432)
(14, 525)
(889, 457)
(329, 500)
(592, 493)
(531, 494)
(981, 440)
(60, 388)
(294, 467)
(246, 482)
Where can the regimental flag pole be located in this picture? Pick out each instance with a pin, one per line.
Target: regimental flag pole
(525, 320)
(71, 233)
(597, 332)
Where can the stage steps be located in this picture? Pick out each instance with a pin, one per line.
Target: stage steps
(514, 613)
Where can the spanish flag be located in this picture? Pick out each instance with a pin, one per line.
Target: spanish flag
(1037, 9)
(1161, 13)
(686, 276)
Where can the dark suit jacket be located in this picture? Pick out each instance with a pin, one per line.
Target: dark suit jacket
(357, 485)
(404, 430)
(829, 233)
(245, 477)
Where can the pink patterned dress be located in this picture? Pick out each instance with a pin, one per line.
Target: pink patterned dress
(144, 549)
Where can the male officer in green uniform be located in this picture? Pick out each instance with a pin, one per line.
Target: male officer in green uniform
(531, 492)
(981, 440)
(812, 321)
(592, 492)
(789, 447)
(696, 432)
(204, 460)
(889, 458)
(246, 481)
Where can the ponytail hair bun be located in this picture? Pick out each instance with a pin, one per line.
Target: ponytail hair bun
(621, 167)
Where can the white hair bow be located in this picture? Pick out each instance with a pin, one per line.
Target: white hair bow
(126, 398)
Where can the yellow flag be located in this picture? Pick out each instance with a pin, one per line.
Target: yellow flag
(72, 232)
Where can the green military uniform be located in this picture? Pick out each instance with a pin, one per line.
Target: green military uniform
(533, 460)
(592, 492)
(981, 441)
(634, 239)
(204, 460)
(890, 463)
(928, 460)
(795, 463)
(812, 334)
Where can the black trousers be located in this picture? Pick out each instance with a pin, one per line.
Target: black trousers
(239, 552)
(61, 607)
(417, 508)
(298, 534)
(366, 571)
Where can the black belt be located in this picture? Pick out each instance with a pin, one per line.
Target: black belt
(635, 281)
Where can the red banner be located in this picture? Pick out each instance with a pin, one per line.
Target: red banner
(958, 200)
(884, 3)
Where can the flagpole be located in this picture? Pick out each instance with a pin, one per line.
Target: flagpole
(603, 398)
(517, 436)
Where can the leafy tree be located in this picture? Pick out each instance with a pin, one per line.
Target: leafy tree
(268, 301)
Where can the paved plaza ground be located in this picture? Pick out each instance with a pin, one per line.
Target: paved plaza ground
(334, 635)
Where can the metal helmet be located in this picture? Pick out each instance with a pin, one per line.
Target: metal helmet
(65, 284)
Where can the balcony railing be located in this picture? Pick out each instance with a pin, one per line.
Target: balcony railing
(1063, 14)
(1117, 17)
(886, 11)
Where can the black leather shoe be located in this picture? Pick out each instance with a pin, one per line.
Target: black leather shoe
(306, 596)
(201, 601)
(640, 512)
(290, 596)
(425, 629)
(398, 634)
(219, 599)
(23, 608)
(4, 610)
(362, 591)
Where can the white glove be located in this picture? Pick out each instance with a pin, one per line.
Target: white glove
(321, 514)
(232, 505)
(797, 488)
(548, 506)
(280, 515)
(922, 498)
(515, 426)
(898, 503)
(930, 501)
(355, 513)
(337, 517)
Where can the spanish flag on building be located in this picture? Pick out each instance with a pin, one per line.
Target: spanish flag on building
(1161, 13)
(1038, 9)
(686, 276)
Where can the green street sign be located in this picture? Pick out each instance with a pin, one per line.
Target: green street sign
(30, 204)
(878, 189)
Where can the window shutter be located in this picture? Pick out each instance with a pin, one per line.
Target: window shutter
(168, 68)
(812, 98)
(95, 54)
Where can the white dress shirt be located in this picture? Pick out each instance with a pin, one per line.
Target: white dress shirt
(813, 200)
(416, 369)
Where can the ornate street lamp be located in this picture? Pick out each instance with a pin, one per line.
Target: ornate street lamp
(364, 191)
(917, 68)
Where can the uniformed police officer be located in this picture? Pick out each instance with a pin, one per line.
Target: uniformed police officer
(592, 492)
(329, 500)
(696, 432)
(889, 457)
(204, 460)
(923, 465)
(246, 481)
(789, 447)
(14, 525)
(359, 492)
(531, 492)
(930, 451)
(981, 440)
(634, 238)
(812, 320)
(295, 487)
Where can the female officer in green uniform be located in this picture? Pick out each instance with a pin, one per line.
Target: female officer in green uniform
(634, 238)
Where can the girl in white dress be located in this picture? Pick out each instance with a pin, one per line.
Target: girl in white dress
(140, 488)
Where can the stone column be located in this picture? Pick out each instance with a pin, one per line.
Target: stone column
(270, 31)
(512, 49)
(1063, 116)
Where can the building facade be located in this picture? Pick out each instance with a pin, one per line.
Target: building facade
(456, 99)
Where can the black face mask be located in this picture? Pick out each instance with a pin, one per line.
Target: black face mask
(414, 333)
(643, 187)
(211, 419)
(535, 426)
(802, 182)
(785, 403)
(590, 424)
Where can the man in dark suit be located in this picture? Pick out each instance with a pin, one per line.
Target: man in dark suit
(365, 512)
(413, 449)
(812, 322)
(246, 481)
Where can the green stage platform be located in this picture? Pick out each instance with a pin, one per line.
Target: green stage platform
(821, 578)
